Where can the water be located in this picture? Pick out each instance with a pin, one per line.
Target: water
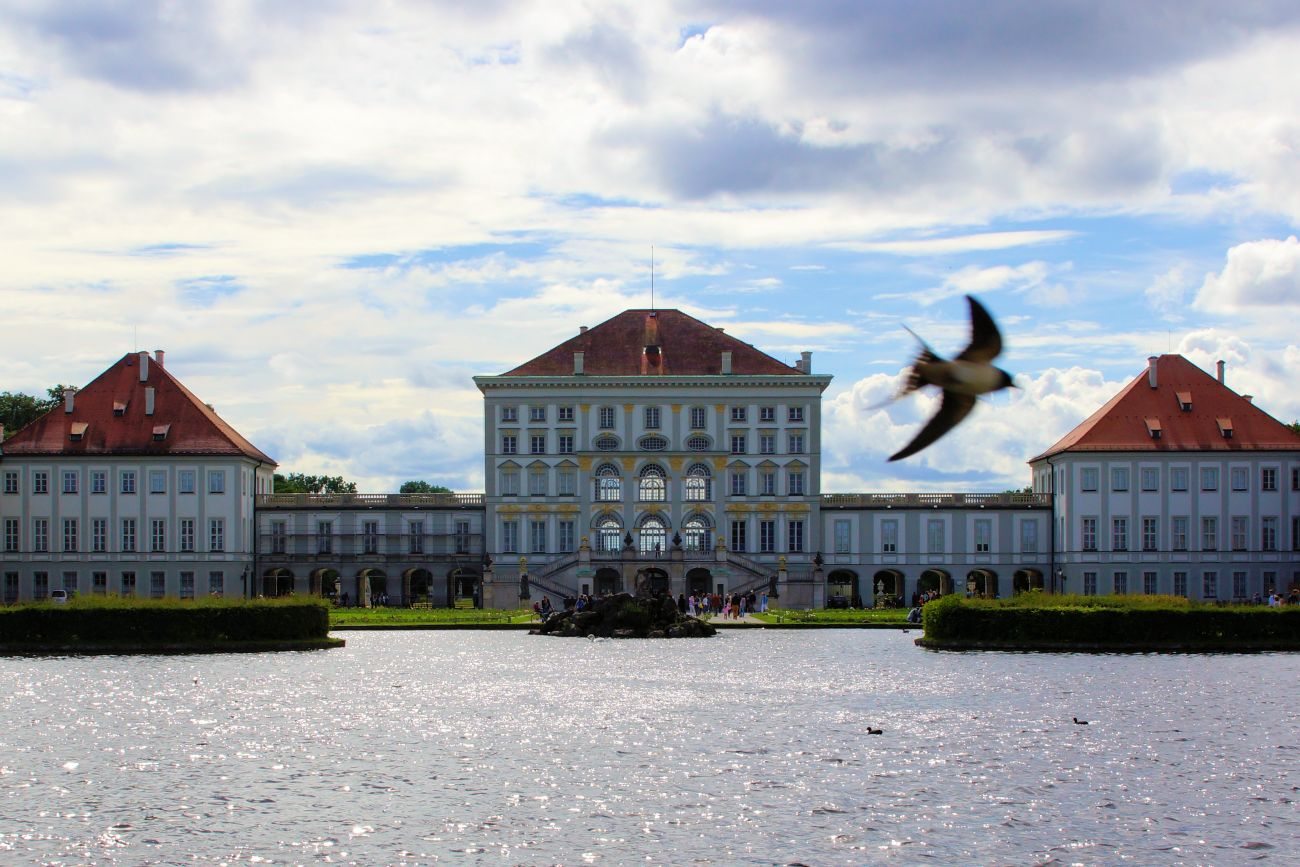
(503, 748)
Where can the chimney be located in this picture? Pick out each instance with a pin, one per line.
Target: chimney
(582, 329)
(1151, 370)
(144, 365)
(158, 356)
(577, 362)
(805, 362)
(1222, 364)
(1249, 398)
(148, 400)
(726, 362)
(69, 396)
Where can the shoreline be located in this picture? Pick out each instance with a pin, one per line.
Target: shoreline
(365, 627)
(959, 645)
(171, 648)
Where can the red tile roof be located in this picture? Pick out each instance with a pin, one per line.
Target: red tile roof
(1128, 419)
(187, 426)
(682, 346)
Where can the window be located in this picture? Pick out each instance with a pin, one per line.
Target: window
(767, 482)
(415, 536)
(1210, 585)
(510, 537)
(40, 585)
(697, 484)
(1178, 533)
(651, 415)
(1121, 583)
(652, 487)
(128, 583)
(1268, 533)
(1119, 478)
(510, 444)
(216, 481)
(1295, 478)
(370, 537)
(1028, 537)
(1295, 534)
(606, 443)
(767, 537)
(187, 535)
(737, 444)
(738, 483)
(1150, 478)
(767, 413)
(537, 413)
(653, 443)
(1209, 478)
(1239, 585)
(1209, 534)
(1238, 533)
(70, 534)
(566, 545)
(1089, 583)
(610, 534)
(564, 413)
(1149, 586)
(796, 444)
(537, 482)
(1088, 479)
(40, 534)
(566, 482)
(461, 537)
(653, 535)
(697, 418)
(766, 444)
(69, 481)
(187, 585)
(510, 482)
(1268, 479)
(609, 487)
(216, 583)
(279, 536)
(843, 542)
(606, 417)
(1150, 533)
(217, 534)
(11, 535)
(889, 537)
(157, 481)
(738, 536)
(185, 481)
(935, 536)
(128, 534)
(510, 413)
(537, 537)
(158, 535)
(795, 483)
(738, 413)
(794, 537)
(40, 482)
(99, 583)
(11, 588)
(71, 582)
(795, 413)
(983, 536)
(1119, 534)
(698, 443)
(1240, 478)
(1180, 584)
(1090, 534)
(11, 482)
(697, 534)
(1178, 478)
(537, 444)
(565, 443)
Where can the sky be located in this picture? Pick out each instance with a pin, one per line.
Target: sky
(331, 214)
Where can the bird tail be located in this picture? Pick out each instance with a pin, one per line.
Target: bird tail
(915, 376)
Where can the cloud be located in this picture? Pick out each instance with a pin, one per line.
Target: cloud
(962, 243)
(1167, 291)
(1257, 274)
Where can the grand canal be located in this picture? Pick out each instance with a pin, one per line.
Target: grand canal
(424, 747)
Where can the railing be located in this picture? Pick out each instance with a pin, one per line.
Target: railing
(925, 501)
(271, 501)
(402, 545)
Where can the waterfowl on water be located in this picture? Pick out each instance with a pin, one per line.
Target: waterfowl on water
(1080, 722)
(872, 731)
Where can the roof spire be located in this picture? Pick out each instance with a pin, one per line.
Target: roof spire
(652, 278)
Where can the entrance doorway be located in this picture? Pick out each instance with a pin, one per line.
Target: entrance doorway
(608, 582)
(842, 589)
(462, 588)
(934, 579)
(887, 587)
(416, 584)
(982, 584)
(1024, 580)
(277, 582)
(698, 581)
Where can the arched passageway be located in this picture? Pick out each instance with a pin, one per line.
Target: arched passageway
(416, 586)
(699, 581)
(1024, 580)
(325, 582)
(277, 582)
(887, 587)
(608, 581)
(982, 584)
(463, 588)
(934, 580)
(372, 587)
(652, 581)
(842, 589)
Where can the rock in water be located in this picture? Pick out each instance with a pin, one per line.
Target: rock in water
(626, 616)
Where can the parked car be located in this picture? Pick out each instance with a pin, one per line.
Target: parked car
(59, 597)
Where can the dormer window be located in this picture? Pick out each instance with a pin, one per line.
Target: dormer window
(1225, 428)
(78, 431)
(1153, 428)
(119, 408)
(160, 432)
(1184, 400)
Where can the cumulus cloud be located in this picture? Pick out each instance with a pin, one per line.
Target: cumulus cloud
(1257, 274)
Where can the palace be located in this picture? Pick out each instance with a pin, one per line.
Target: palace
(651, 450)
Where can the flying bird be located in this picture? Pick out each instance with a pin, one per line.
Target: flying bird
(962, 379)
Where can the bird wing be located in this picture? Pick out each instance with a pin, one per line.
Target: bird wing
(985, 339)
(954, 408)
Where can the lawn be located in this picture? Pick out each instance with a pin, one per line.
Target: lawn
(846, 616)
(345, 617)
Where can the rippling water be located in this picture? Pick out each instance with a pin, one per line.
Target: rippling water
(419, 747)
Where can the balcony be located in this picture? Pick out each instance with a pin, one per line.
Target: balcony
(369, 501)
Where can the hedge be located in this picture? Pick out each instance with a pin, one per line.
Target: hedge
(1124, 623)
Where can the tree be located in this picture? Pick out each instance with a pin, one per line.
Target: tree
(1295, 427)
(17, 410)
(421, 487)
(300, 483)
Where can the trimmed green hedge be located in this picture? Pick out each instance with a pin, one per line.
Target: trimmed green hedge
(1123, 622)
(143, 623)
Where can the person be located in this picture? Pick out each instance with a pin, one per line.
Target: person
(681, 603)
(546, 607)
(914, 616)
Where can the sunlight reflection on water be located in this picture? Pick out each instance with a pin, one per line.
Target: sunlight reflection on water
(415, 747)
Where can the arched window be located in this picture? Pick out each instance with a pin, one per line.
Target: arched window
(653, 535)
(609, 487)
(653, 487)
(697, 534)
(698, 483)
(609, 534)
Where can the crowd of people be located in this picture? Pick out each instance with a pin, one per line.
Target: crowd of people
(728, 606)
